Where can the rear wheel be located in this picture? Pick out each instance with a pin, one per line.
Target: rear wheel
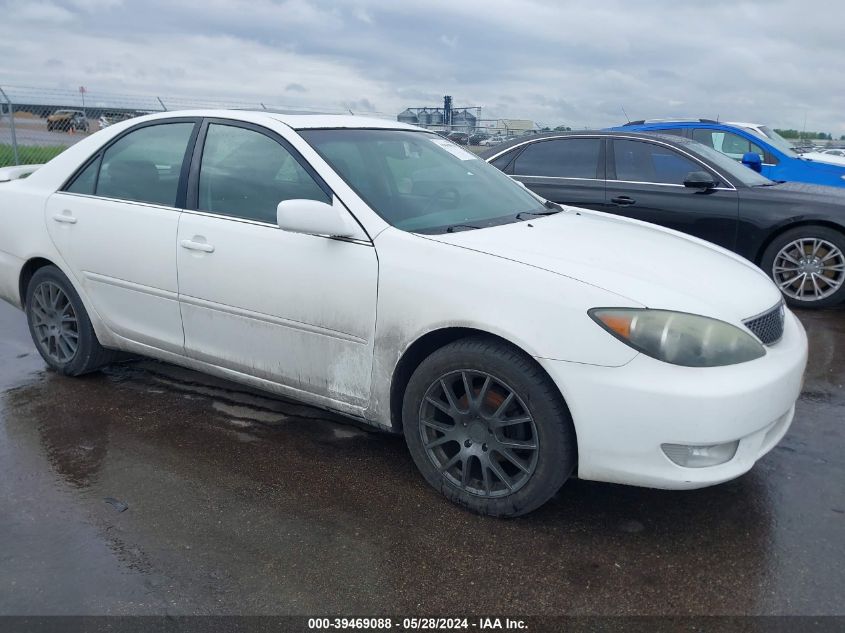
(808, 265)
(487, 427)
(60, 326)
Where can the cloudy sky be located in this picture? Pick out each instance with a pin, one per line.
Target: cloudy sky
(573, 63)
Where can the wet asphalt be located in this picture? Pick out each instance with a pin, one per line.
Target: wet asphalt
(222, 500)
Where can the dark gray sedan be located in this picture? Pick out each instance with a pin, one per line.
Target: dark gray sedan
(795, 232)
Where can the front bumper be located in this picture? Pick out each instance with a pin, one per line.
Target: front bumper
(622, 415)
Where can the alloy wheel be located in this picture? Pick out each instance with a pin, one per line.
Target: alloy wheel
(54, 322)
(809, 269)
(478, 433)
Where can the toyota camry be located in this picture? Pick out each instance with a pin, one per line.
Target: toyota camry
(383, 272)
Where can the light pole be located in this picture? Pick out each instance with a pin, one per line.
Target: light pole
(82, 92)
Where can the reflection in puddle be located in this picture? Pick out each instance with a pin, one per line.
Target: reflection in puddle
(280, 499)
(249, 413)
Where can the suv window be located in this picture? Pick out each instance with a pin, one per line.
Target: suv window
(561, 158)
(727, 143)
(246, 174)
(145, 165)
(641, 161)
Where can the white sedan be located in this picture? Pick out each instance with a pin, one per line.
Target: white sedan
(380, 271)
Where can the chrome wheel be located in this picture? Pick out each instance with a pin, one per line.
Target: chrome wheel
(478, 433)
(54, 322)
(809, 269)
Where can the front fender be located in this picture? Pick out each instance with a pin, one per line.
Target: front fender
(540, 312)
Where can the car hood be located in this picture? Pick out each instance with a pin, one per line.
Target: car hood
(647, 264)
(830, 159)
(802, 193)
(821, 167)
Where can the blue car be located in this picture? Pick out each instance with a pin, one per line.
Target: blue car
(772, 156)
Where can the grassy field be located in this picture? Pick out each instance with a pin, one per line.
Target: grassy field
(28, 154)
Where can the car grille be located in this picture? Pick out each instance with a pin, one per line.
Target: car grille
(768, 327)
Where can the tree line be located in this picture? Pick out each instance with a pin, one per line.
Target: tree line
(822, 136)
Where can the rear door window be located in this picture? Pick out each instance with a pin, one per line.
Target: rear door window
(86, 180)
(145, 165)
(560, 158)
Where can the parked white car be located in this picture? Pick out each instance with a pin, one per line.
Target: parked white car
(380, 271)
(493, 140)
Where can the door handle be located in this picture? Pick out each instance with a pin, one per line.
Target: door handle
(197, 246)
(623, 201)
(64, 217)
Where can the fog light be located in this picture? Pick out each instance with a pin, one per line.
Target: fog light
(700, 456)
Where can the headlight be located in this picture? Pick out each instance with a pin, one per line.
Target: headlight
(679, 338)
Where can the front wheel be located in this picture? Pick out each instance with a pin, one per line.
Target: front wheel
(808, 265)
(487, 428)
(60, 326)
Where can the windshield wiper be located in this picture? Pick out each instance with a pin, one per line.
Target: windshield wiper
(553, 207)
(523, 215)
(461, 227)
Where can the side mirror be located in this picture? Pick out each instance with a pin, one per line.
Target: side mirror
(753, 161)
(699, 180)
(314, 218)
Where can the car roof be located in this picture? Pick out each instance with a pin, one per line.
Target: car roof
(671, 139)
(685, 123)
(296, 121)
(663, 122)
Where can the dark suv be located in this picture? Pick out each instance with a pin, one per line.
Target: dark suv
(67, 120)
(461, 138)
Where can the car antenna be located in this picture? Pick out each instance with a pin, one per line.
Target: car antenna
(625, 113)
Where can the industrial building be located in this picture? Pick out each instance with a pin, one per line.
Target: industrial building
(463, 119)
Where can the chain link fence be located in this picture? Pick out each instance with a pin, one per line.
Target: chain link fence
(36, 124)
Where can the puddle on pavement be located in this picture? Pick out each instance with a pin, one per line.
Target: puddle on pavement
(309, 512)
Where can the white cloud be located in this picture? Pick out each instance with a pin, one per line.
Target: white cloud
(572, 63)
(91, 6)
(44, 12)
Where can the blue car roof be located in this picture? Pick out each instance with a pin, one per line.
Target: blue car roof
(701, 123)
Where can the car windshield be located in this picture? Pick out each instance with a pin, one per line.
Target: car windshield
(739, 173)
(421, 182)
(778, 141)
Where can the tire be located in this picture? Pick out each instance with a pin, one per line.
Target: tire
(472, 440)
(817, 253)
(57, 318)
